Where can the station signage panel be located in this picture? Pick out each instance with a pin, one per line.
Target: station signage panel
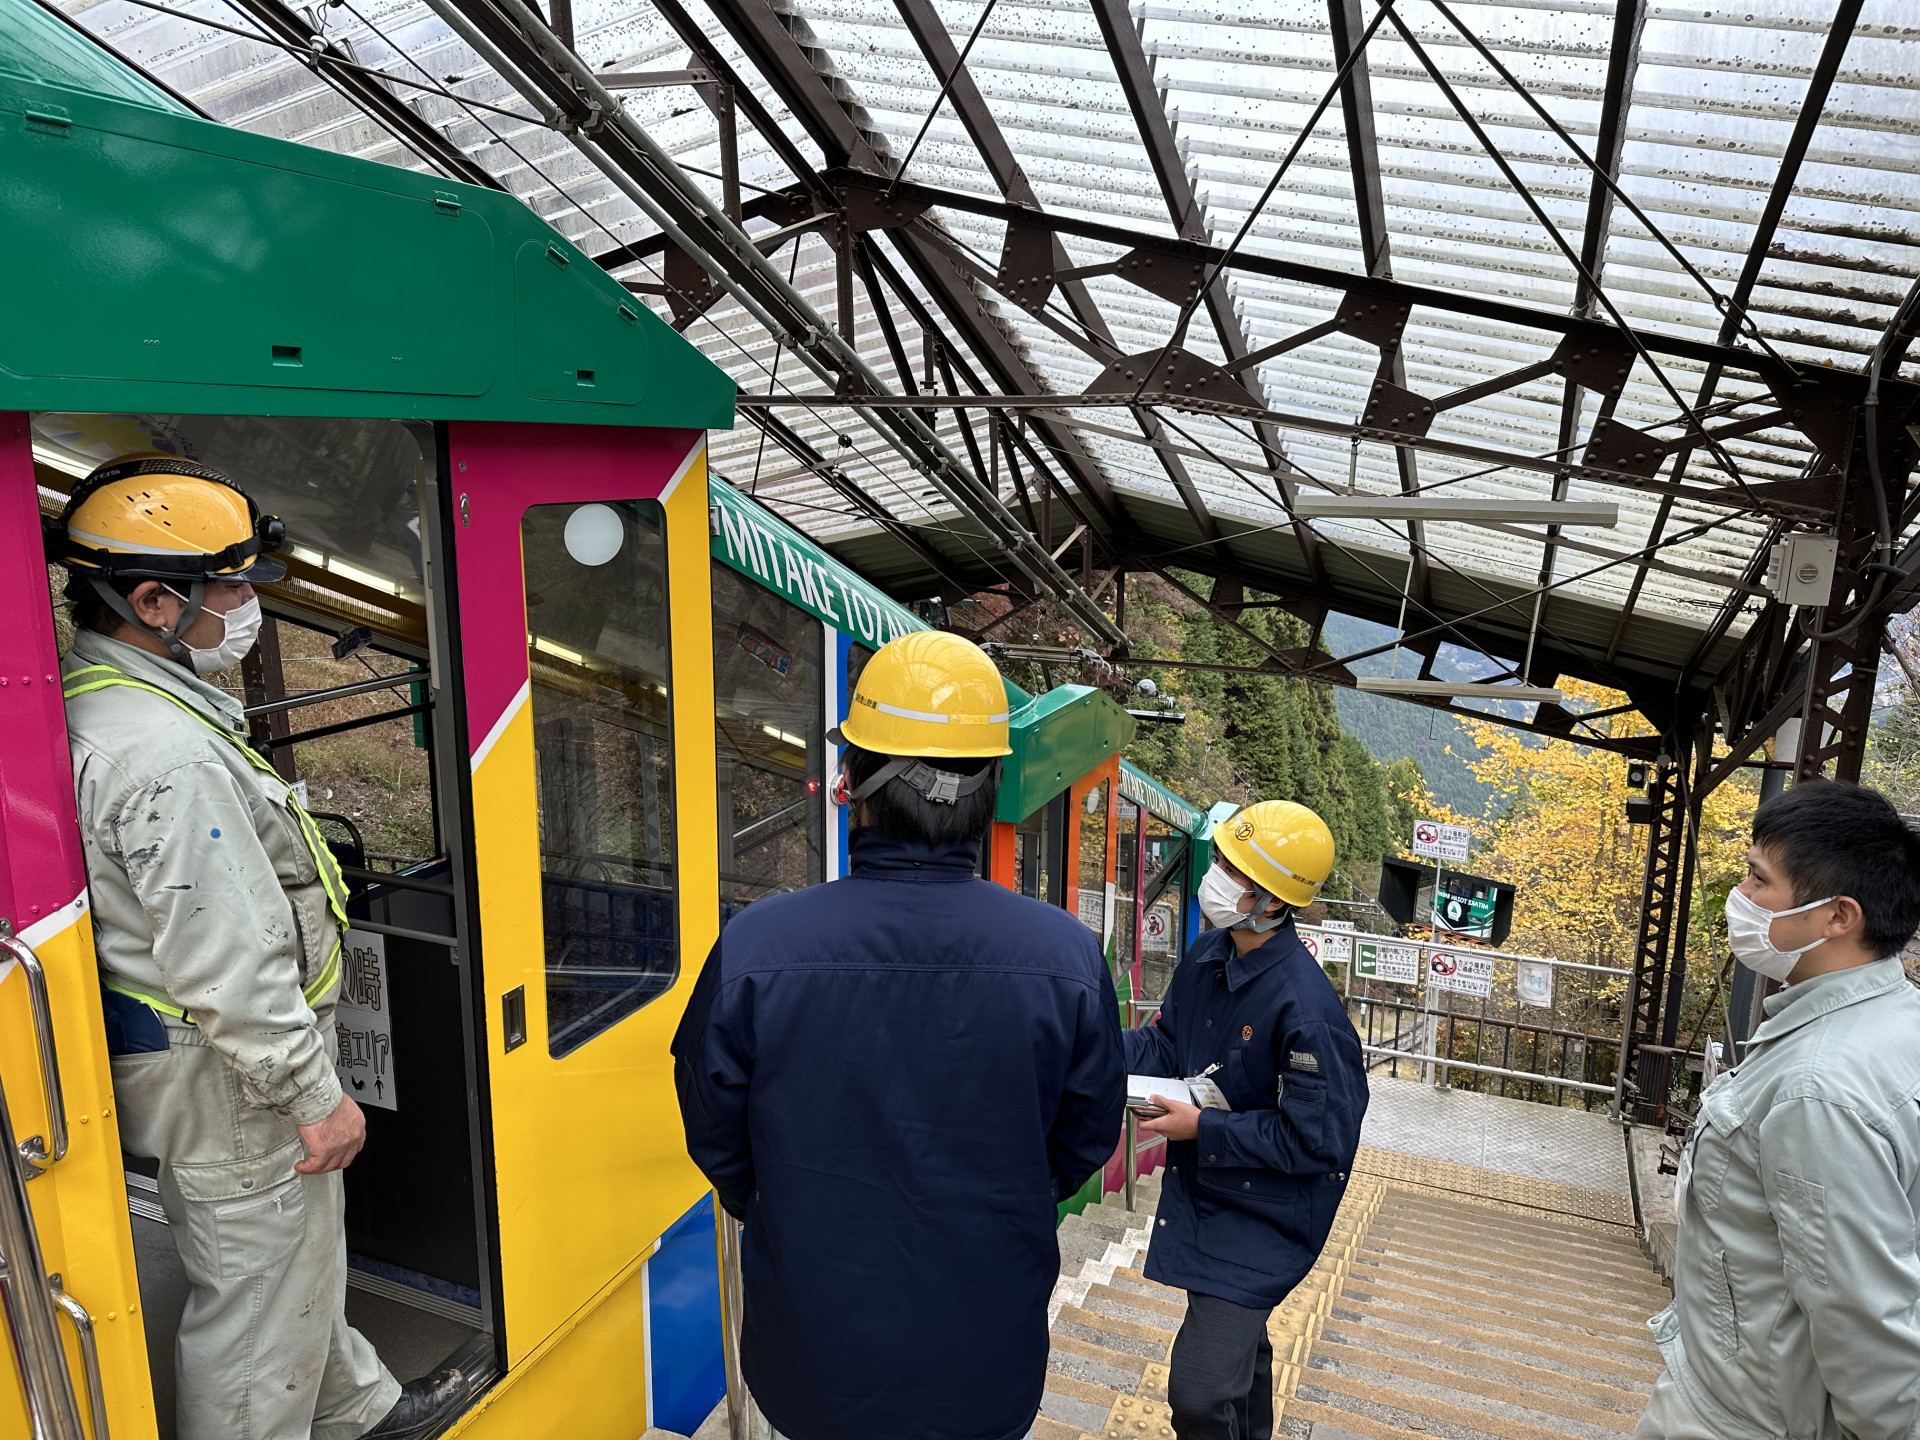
(1380, 960)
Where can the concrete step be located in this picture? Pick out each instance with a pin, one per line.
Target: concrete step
(1553, 1268)
(1470, 1320)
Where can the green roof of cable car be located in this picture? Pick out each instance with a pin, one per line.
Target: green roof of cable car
(152, 261)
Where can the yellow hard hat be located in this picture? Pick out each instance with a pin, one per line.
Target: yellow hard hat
(158, 517)
(1284, 848)
(931, 694)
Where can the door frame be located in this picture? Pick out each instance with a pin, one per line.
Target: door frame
(568, 1234)
(80, 1203)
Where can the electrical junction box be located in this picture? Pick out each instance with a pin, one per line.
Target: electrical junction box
(1800, 569)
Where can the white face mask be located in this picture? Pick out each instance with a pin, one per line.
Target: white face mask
(1750, 935)
(1220, 896)
(243, 624)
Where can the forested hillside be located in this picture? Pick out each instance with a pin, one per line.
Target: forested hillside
(1392, 728)
(1251, 737)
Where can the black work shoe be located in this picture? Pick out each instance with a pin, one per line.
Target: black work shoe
(423, 1404)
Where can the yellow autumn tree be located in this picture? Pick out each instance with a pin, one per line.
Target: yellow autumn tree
(1560, 836)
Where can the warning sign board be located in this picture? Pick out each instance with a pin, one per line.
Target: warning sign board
(1395, 964)
(1157, 928)
(363, 1021)
(1333, 947)
(1441, 842)
(1462, 972)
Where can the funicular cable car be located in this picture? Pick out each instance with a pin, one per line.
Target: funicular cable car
(602, 682)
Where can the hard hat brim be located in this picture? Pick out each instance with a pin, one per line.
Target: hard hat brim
(265, 570)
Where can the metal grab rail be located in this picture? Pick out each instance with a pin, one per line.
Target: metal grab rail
(27, 1303)
(89, 1354)
(33, 1149)
(1443, 1062)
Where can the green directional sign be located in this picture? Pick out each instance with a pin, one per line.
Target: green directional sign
(1385, 961)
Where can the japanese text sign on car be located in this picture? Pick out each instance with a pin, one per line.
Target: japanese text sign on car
(1441, 842)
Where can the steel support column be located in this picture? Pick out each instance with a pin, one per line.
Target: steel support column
(1659, 953)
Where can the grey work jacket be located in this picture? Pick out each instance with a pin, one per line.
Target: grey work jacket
(1796, 1286)
(208, 899)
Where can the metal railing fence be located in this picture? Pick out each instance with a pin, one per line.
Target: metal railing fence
(1525, 1026)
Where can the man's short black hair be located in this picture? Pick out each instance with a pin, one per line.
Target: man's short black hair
(900, 812)
(1832, 838)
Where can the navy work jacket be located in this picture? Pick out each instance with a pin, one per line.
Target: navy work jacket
(1246, 1206)
(892, 1079)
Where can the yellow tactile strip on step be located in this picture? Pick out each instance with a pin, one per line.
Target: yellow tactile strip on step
(1472, 1182)
(1297, 1321)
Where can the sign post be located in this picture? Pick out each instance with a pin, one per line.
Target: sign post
(1439, 843)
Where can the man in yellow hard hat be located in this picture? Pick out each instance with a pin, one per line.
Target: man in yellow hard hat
(894, 1079)
(217, 918)
(1260, 1145)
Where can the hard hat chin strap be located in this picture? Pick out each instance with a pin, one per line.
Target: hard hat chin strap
(1254, 923)
(167, 635)
(942, 787)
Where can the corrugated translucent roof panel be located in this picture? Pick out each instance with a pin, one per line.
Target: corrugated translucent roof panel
(1478, 196)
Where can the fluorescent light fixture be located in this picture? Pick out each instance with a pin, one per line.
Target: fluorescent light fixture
(308, 556)
(1459, 689)
(1471, 509)
(337, 566)
(555, 648)
(777, 733)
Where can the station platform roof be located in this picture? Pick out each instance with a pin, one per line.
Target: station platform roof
(1632, 253)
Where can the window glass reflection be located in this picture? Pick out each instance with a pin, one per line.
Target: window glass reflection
(769, 724)
(1091, 884)
(596, 580)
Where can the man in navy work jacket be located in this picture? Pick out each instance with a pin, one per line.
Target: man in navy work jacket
(892, 1080)
(1256, 1171)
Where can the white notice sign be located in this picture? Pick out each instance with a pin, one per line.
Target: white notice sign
(1395, 964)
(1333, 948)
(1462, 972)
(1535, 984)
(363, 1021)
(1441, 842)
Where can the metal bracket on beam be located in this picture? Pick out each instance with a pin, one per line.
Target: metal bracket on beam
(1369, 318)
(1623, 449)
(1393, 408)
(1176, 373)
(650, 79)
(1026, 275)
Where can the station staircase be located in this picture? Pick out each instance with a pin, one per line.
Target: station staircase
(1502, 1299)
(1451, 1300)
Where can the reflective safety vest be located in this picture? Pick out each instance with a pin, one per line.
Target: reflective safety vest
(99, 677)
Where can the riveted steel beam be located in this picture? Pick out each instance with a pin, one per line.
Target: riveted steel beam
(772, 48)
(1135, 73)
(1345, 26)
(319, 54)
(1623, 64)
(513, 38)
(1812, 106)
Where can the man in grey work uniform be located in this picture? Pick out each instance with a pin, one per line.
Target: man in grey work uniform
(217, 915)
(1796, 1306)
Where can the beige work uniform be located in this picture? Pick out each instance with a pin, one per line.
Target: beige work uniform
(215, 904)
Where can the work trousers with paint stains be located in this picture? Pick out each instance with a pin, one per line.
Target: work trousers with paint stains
(264, 1349)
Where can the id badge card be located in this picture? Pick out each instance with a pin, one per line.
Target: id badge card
(1207, 1095)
